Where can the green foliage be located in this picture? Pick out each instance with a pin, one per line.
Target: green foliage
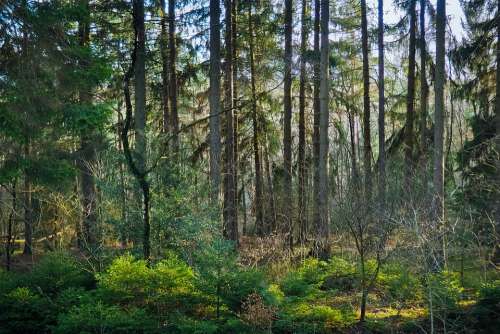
(99, 318)
(24, 311)
(443, 289)
(399, 285)
(59, 271)
(486, 313)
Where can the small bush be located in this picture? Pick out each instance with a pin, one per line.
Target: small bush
(486, 313)
(59, 271)
(23, 311)
(445, 290)
(99, 318)
(399, 285)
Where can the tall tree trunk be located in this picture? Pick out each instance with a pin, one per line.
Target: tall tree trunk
(424, 89)
(139, 70)
(439, 117)
(287, 123)
(367, 146)
(10, 226)
(236, 119)
(270, 186)
(302, 124)
(381, 106)
(316, 113)
(87, 158)
(172, 47)
(164, 67)
(28, 203)
(215, 108)
(323, 229)
(259, 212)
(410, 98)
(229, 213)
(497, 115)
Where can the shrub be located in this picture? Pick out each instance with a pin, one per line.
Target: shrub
(445, 290)
(340, 275)
(59, 271)
(399, 285)
(99, 318)
(486, 313)
(23, 311)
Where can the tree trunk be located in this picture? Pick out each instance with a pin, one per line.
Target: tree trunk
(164, 68)
(302, 124)
(287, 123)
(172, 47)
(28, 204)
(367, 147)
(214, 97)
(270, 186)
(316, 116)
(87, 160)
(439, 117)
(229, 212)
(236, 120)
(323, 229)
(424, 89)
(259, 212)
(497, 115)
(10, 226)
(410, 98)
(139, 68)
(381, 106)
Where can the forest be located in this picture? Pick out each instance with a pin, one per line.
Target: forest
(249, 166)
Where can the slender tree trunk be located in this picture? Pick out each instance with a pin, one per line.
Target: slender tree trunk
(87, 159)
(172, 47)
(410, 98)
(381, 106)
(352, 132)
(164, 67)
(367, 146)
(259, 212)
(11, 220)
(139, 70)
(28, 204)
(270, 186)
(424, 89)
(302, 124)
(439, 116)
(497, 115)
(287, 123)
(215, 108)
(236, 120)
(323, 229)
(316, 116)
(229, 213)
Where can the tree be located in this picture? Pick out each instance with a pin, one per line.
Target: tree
(214, 97)
(287, 121)
(424, 89)
(316, 113)
(230, 213)
(302, 205)
(381, 105)
(172, 48)
(88, 153)
(259, 212)
(366, 104)
(164, 65)
(439, 115)
(410, 97)
(323, 229)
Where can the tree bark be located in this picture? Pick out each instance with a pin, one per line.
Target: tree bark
(229, 212)
(316, 113)
(439, 117)
(87, 159)
(287, 123)
(410, 99)
(164, 67)
(367, 147)
(381, 106)
(259, 212)
(424, 89)
(302, 124)
(214, 97)
(323, 229)
(172, 47)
